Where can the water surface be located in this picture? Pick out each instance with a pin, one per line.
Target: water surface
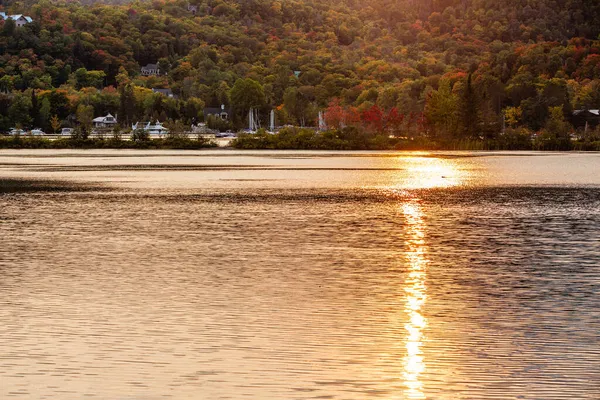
(299, 275)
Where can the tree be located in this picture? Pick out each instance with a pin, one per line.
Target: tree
(140, 135)
(394, 121)
(55, 124)
(44, 114)
(85, 78)
(557, 126)
(373, 119)
(35, 110)
(468, 111)
(335, 115)
(19, 111)
(122, 77)
(555, 135)
(245, 95)
(9, 27)
(512, 116)
(297, 105)
(85, 115)
(126, 104)
(440, 111)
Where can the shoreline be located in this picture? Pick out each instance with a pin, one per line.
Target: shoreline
(307, 140)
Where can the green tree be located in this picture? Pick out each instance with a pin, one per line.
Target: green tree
(19, 111)
(468, 111)
(441, 111)
(35, 110)
(85, 115)
(45, 112)
(246, 94)
(126, 105)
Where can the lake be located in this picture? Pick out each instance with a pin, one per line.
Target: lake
(299, 275)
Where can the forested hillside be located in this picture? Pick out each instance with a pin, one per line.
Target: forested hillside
(455, 68)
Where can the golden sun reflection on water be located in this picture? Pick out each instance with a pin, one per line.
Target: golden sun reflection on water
(416, 295)
(422, 173)
(430, 172)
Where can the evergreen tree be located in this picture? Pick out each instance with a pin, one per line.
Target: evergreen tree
(126, 105)
(35, 110)
(469, 111)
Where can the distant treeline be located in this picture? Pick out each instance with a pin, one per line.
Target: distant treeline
(351, 138)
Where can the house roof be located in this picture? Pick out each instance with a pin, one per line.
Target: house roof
(150, 66)
(579, 112)
(166, 92)
(215, 110)
(15, 17)
(103, 119)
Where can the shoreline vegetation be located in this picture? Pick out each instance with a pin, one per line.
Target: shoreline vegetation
(294, 138)
(31, 142)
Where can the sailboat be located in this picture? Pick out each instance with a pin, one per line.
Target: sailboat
(253, 121)
(272, 122)
(322, 123)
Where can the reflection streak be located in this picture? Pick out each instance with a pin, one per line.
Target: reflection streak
(424, 173)
(416, 295)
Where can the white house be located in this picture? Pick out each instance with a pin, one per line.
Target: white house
(107, 121)
(150, 69)
(19, 19)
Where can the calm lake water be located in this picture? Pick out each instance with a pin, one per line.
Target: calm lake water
(299, 275)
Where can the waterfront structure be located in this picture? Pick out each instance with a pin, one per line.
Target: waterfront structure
(272, 121)
(154, 130)
(253, 121)
(585, 119)
(221, 112)
(107, 121)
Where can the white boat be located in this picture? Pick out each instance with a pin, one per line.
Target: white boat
(153, 130)
(37, 132)
(15, 132)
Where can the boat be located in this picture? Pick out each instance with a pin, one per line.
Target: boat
(153, 130)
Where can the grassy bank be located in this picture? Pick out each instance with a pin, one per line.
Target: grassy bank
(28, 142)
(354, 139)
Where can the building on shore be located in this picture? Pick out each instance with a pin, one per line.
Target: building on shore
(107, 121)
(221, 112)
(585, 119)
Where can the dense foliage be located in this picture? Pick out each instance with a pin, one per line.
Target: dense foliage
(444, 69)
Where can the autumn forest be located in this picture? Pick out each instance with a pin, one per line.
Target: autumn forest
(382, 73)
